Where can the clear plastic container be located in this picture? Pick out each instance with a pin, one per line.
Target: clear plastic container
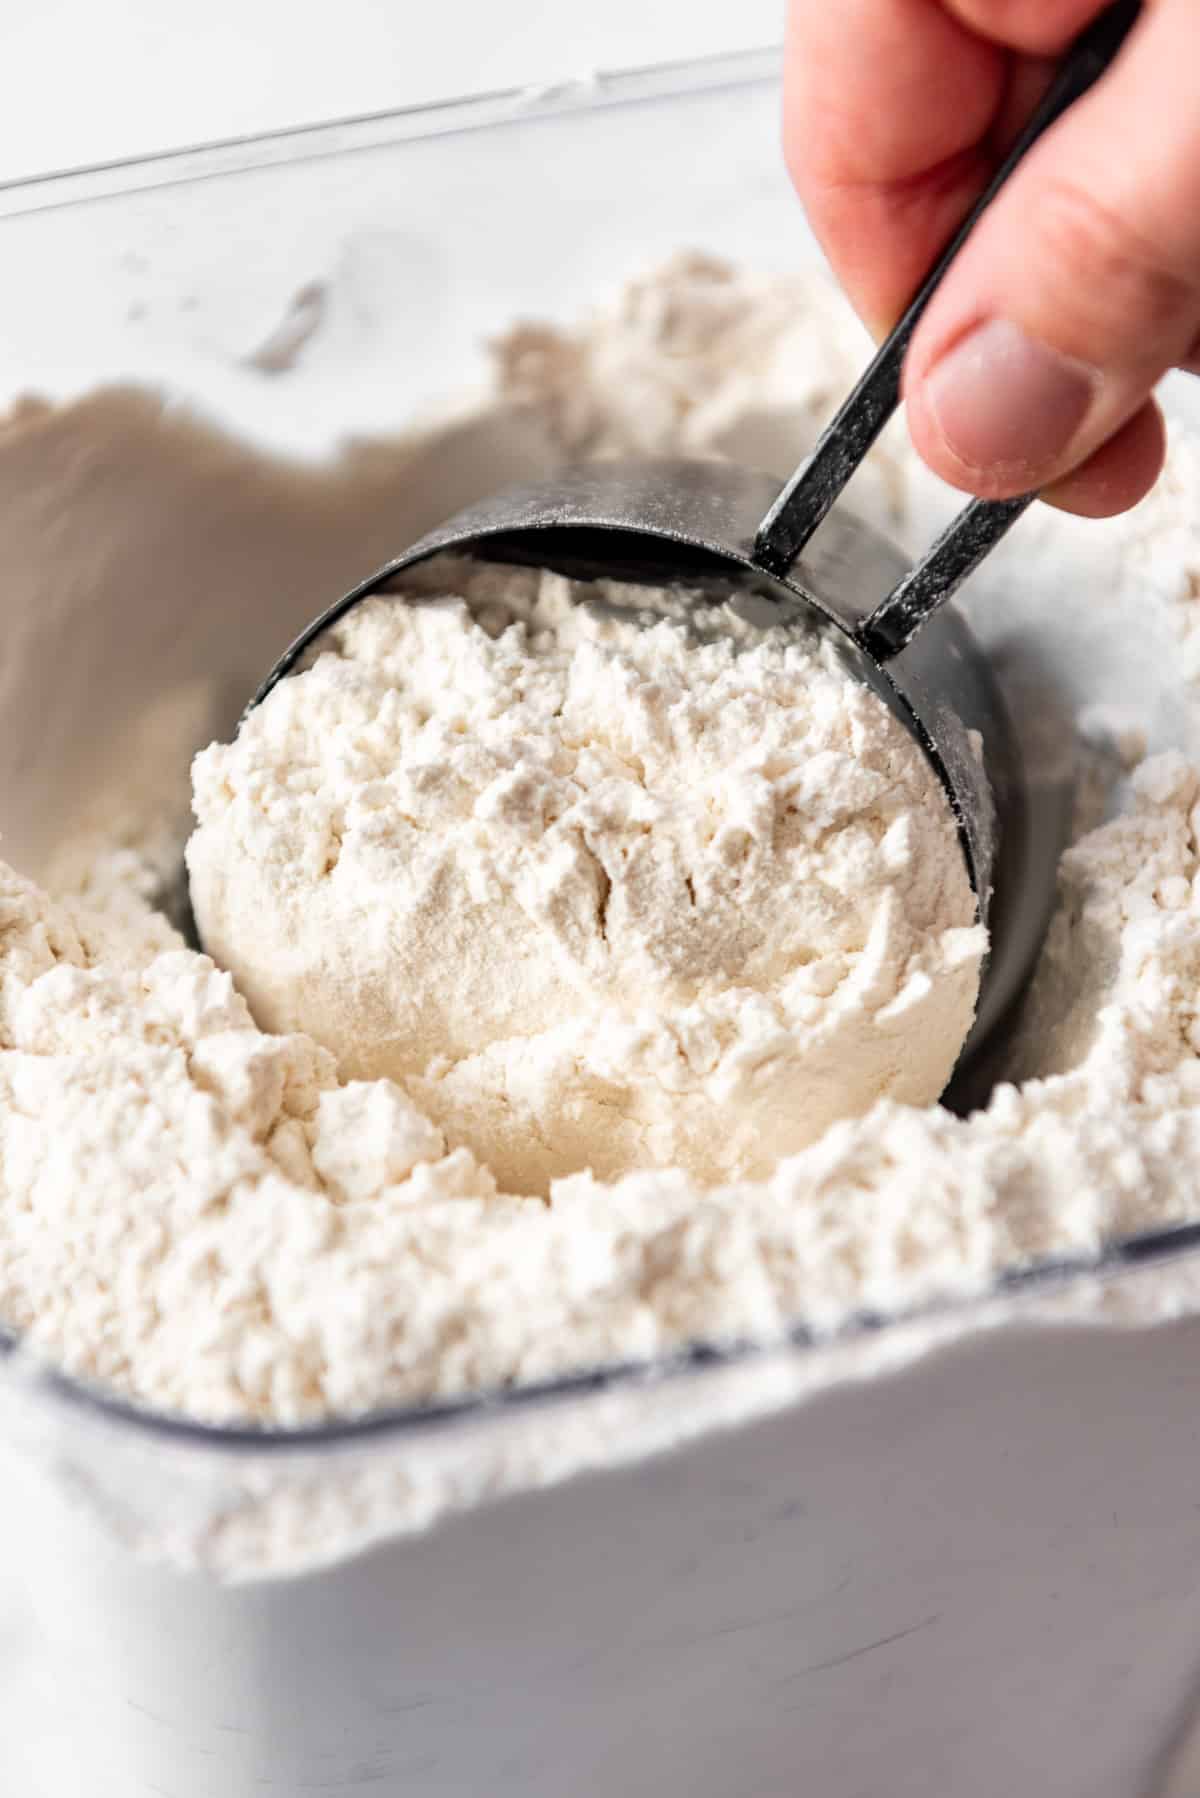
(944, 1554)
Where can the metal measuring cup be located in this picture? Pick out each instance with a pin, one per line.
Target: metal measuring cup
(733, 535)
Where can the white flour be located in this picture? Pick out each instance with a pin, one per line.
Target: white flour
(199, 1214)
(599, 897)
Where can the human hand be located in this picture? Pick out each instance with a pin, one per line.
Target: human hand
(1034, 364)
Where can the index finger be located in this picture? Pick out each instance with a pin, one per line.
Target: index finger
(893, 111)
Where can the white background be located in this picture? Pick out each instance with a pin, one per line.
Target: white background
(85, 81)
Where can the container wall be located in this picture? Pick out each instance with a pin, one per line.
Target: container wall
(973, 1574)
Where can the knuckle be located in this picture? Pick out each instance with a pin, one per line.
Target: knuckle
(1105, 276)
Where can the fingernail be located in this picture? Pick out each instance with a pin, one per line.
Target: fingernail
(1002, 400)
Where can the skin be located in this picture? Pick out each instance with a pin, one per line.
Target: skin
(1092, 249)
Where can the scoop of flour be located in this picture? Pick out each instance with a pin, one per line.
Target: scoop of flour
(600, 896)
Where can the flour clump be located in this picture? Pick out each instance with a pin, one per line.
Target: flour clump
(599, 893)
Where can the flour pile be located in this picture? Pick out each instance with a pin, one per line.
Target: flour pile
(207, 1217)
(599, 897)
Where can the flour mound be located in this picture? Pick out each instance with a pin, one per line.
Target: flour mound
(213, 1221)
(200, 1215)
(600, 896)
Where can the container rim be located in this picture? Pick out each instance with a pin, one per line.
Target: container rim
(247, 154)
(591, 92)
(404, 1422)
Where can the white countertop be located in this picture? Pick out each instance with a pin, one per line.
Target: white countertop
(84, 83)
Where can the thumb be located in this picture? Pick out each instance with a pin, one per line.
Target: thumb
(1079, 288)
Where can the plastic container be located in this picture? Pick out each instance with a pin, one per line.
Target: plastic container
(951, 1554)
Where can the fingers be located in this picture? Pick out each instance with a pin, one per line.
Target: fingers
(1079, 289)
(894, 110)
(1039, 27)
(885, 165)
(1120, 473)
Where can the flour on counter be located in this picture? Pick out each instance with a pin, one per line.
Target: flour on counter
(203, 1216)
(598, 896)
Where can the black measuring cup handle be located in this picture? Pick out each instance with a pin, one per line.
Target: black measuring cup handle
(812, 491)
